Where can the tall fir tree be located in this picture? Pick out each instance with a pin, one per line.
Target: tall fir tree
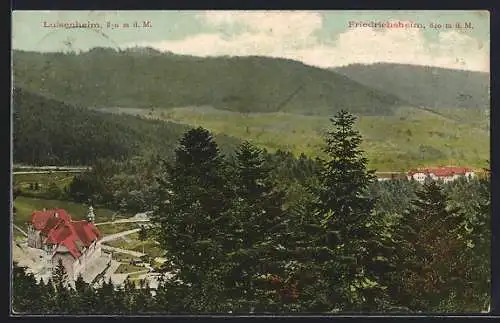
(26, 293)
(473, 199)
(85, 297)
(257, 233)
(107, 298)
(349, 244)
(62, 286)
(430, 239)
(192, 199)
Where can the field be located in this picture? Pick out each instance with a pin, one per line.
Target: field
(410, 138)
(132, 242)
(112, 228)
(123, 257)
(44, 180)
(128, 268)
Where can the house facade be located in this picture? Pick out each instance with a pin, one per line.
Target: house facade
(75, 243)
(445, 174)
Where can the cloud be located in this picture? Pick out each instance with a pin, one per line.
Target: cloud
(280, 24)
(294, 35)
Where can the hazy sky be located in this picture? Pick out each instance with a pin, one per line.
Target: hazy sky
(318, 38)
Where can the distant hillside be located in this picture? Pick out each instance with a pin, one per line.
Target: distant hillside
(145, 79)
(431, 87)
(50, 132)
(411, 138)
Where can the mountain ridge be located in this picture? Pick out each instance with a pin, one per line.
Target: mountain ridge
(424, 86)
(242, 84)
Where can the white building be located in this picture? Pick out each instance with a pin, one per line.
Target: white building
(75, 243)
(446, 174)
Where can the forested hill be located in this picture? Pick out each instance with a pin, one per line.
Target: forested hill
(426, 86)
(50, 132)
(104, 77)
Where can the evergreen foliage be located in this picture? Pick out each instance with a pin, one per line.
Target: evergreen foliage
(260, 232)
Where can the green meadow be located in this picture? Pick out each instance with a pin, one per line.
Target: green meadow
(26, 205)
(409, 138)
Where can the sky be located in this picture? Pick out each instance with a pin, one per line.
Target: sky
(317, 38)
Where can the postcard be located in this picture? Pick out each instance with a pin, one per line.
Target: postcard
(250, 162)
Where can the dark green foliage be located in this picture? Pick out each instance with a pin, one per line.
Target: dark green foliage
(25, 297)
(143, 233)
(268, 232)
(244, 84)
(258, 234)
(474, 202)
(351, 233)
(430, 239)
(54, 192)
(426, 86)
(48, 132)
(84, 296)
(393, 196)
(61, 281)
(193, 198)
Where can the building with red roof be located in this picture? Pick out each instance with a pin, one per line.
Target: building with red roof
(76, 243)
(446, 174)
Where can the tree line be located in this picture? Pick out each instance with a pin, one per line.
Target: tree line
(249, 233)
(49, 132)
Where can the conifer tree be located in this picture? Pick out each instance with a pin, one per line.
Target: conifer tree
(26, 294)
(192, 198)
(143, 236)
(85, 297)
(62, 289)
(430, 240)
(479, 245)
(107, 298)
(351, 242)
(257, 232)
(50, 297)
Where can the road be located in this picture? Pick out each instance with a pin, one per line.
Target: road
(123, 221)
(118, 235)
(49, 171)
(50, 167)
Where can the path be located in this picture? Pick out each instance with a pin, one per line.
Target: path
(51, 167)
(144, 271)
(126, 251)
(118, 235)
(22, 231)
(49, 171)
(123, 221)
(95, 268)
(110, 271)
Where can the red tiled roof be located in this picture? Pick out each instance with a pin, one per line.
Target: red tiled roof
(39, 219)
(441, 171)
(86, 231)
(61, 230)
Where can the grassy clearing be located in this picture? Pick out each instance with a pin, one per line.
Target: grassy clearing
(26, 205)
(123, 257)
(128, 242)
(62, 180)
(113, 228)
(128, 268)
(150, 248)
(411, 138)
(132, 242)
